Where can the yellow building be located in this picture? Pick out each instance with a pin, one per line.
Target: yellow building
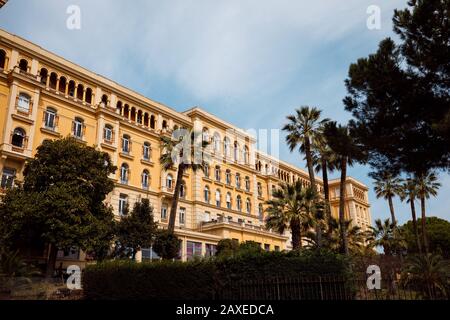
(43, 96)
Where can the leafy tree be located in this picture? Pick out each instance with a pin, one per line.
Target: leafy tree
(387, 186)
(61, 200)
(400, 95)
(183, 150)
(427, 185)
(347, 151)
(302, 129)
(137, 229)
(227, 248)
(167, 245)
(290, 207)
(249, 248)
(438, 232)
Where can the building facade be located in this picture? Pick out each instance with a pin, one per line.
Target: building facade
(43, 96)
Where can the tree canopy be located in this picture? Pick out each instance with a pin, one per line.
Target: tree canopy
(400, 95)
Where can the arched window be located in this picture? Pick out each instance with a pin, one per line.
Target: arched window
(62, 85)
(105, 100)
(206, 170)
(228, 200)
(80, 90)
(238, 180)
(183, 190)
(23, 65)
(78, 128)
(18, 138)
(124, 172)
(246, 154)
(259, 189)
(119, 107)
(146, 119)
(2, 59)
(247, 184)
(152, 122)
(205, 135)
(50, 118)
(88, 97)
(206, 195)
(248, 205)
(53, 80)
(139, 117)
(218, 196)
(169, 181)
(24, 102)
(71, 88)
(164, 124)
(228, 177)
(126, 143)
(216, 142)
(239, 203)
(44, 75)
(145, 179)
(126, 111)
(236, 151)
(133, 114)
(260, 212)
(217, 173)
(146, 151)
(226, 147)
(108, 133)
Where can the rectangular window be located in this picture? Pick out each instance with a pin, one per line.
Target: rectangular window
(146, 152)
(23, 103)
(277, 248)
(267, 247)
(108, 134)
(193, 249)
(210, 250)
(78, 129)
(182, 216)
(8, 178)
(148, 254)
(72, 254)
(50, 119)
(163, 213)
(125, 145)
(123, 204)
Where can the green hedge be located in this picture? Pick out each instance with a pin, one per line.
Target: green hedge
(203, 279)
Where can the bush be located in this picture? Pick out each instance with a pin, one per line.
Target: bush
(203, 279)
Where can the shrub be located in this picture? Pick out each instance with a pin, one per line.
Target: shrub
(202, 279)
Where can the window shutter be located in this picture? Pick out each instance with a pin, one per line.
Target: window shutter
(44, 115)
(84, 129)
(73, 127)
(56, 120)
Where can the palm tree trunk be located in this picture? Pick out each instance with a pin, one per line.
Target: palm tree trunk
(326, 190)
(296, 234)
(391, 208)
(342, 205)
(424, 221)
(309, 164)
(414, 221)
(176, 195)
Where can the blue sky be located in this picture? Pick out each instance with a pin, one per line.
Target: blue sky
(248, 62)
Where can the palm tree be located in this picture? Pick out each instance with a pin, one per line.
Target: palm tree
(430, 273)
(347, 152)
(387, 186)
(427, 186)
(175, 155)
(324, 160)
(302, 128)
(409, 193)
(386, 234)
(290, 207)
